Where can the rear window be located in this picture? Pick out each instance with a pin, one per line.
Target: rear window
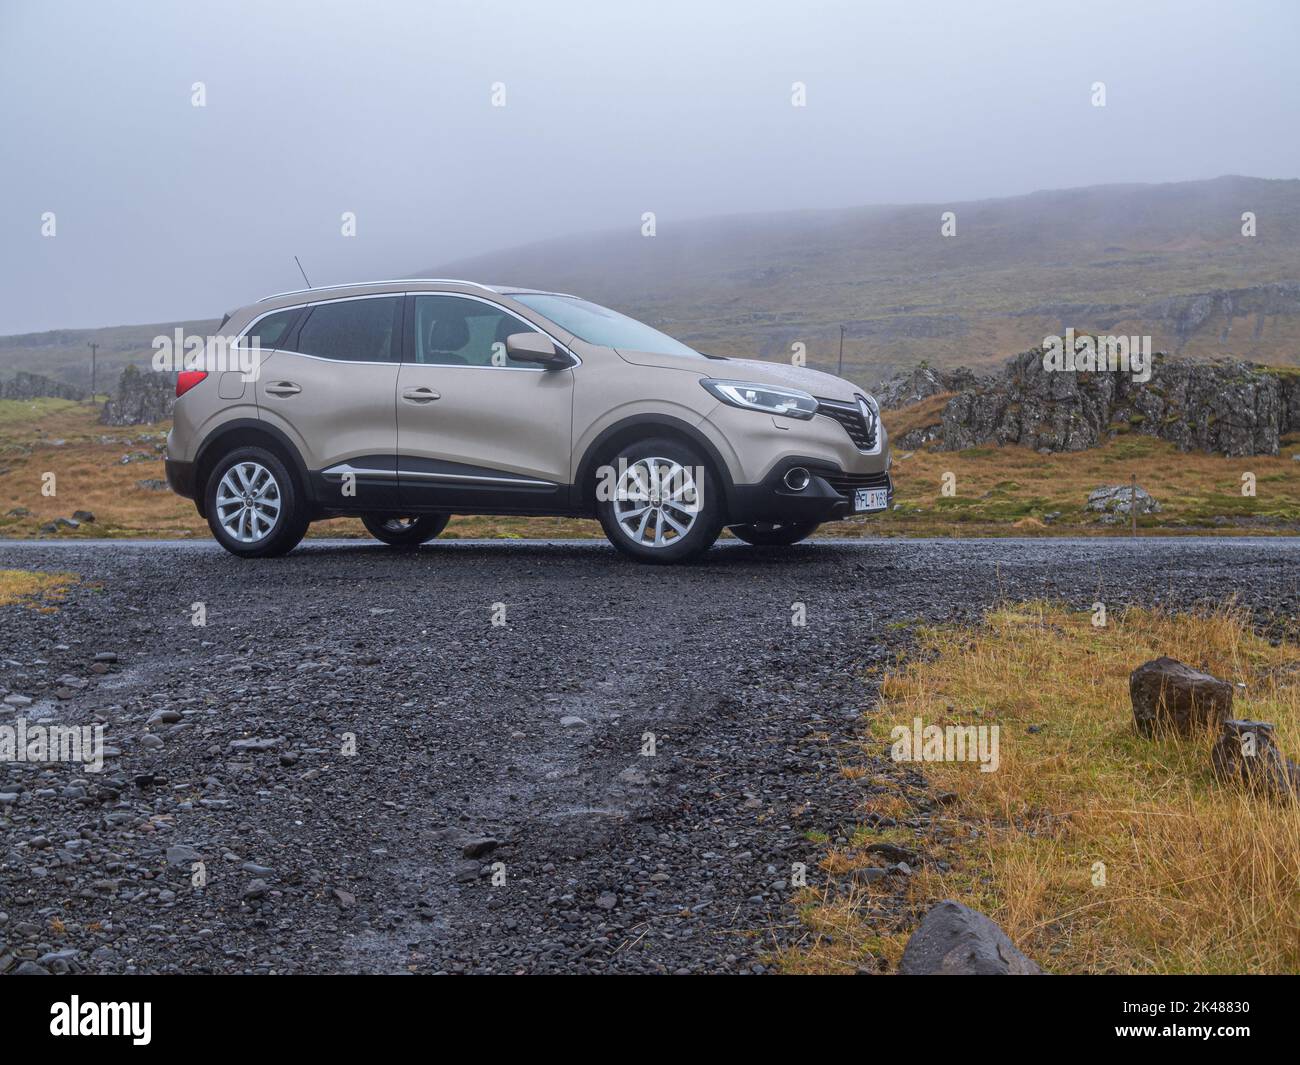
(361, 330)
(268, 332)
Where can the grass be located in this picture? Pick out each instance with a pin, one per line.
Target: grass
(27, 586)
(1097, 850)
(1000, 491)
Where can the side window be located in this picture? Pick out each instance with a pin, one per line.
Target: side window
(270, 330)
(363, 330)
(454, 331)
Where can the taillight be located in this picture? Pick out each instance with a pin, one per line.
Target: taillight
(187, 379)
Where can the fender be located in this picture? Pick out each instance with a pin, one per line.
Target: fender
(239, 425)
(587, 467)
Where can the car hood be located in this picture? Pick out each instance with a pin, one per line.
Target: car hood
(822, 385)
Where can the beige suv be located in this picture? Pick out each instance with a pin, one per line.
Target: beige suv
(405, 402)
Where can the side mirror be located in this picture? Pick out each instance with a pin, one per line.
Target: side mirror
(533, 347)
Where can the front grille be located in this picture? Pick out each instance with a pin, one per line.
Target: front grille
(847, 483)
(862, 433)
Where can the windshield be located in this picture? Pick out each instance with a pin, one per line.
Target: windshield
(600, 325)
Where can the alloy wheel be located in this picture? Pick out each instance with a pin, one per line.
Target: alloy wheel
(248, 502)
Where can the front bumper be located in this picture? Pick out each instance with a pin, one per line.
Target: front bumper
(827, 497)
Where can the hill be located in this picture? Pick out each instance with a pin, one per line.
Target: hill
(1168, 261)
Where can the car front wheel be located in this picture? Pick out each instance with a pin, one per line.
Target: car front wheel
(658, 502)
(405, 532)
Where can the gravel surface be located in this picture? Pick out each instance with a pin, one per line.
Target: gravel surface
(498, 814)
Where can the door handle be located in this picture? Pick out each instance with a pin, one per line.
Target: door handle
(420, 395)
(283, 388)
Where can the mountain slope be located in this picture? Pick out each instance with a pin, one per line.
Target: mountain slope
(1165, 260)
(1140, 259)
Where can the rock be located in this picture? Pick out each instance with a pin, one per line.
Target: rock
(1183, 402)
(23, 512)
(908, 389)
(182, 856)
(1115, 501)
(163, 717)
(607, 900)
(49, 527)
(83, 516)
(256, 744)
(954, 940)
(151, 742)
(24, 385)
(476, 848)
(572, 721)
(256, 889)
(143, 397)
(152, 484)
(345, 899)
(1245, 754)
(1169, 695)
(466, 871)
(67, 523)
(30, 968)
(892, 852)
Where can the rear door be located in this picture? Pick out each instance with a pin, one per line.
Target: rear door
(476, 430)
(330, 387)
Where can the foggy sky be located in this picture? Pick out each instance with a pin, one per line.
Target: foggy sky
(168, 211)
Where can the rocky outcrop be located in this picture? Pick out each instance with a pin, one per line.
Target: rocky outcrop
(922, 383)
(1224, 407)
(1169, 696)
(142, 398)
(954, 940)
(25, 385)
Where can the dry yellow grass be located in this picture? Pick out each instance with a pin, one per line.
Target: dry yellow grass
(27, 586)
(1097, 850)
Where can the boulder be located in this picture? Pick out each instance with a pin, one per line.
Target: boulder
(1245, 754)
(954, 940)
(1115, 501)
(1168, 695)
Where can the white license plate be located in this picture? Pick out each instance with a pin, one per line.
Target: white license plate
(870, 499)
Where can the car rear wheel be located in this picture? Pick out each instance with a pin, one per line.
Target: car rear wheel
(253, 505)
(658, 502)
(775, 534)
(405, 532)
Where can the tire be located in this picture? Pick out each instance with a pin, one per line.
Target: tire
(259, 489)
(671, 532)
(776, 535)
(405, 532)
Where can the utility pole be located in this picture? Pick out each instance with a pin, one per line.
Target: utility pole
(840, 371)
(94, 349)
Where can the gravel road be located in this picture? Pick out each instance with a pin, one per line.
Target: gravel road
(498, 814)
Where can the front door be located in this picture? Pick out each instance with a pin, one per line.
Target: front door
(476, 430)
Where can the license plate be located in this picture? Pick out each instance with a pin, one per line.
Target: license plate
(870, 499)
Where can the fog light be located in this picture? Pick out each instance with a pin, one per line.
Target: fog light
(797, 478)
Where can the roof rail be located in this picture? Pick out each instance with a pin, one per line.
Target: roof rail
(362, 284)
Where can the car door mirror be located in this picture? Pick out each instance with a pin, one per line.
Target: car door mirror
(535, 348)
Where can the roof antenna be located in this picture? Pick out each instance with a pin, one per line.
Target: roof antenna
(302, 271)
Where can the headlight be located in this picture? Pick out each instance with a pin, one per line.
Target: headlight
(771, 399)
